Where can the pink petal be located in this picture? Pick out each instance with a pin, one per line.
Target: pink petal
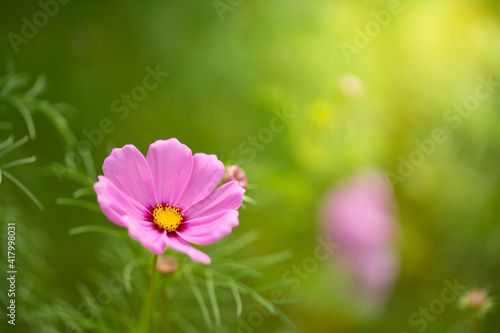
(226, 197)
(178, 244)
(209, 229)
(116, 204)
(171, 163)
(127, 168)
(151, 238)
(207, 173)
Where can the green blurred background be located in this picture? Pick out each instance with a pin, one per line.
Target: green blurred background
(230, 68)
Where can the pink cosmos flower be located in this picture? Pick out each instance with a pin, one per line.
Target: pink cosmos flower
(167, 198)
(360, 216)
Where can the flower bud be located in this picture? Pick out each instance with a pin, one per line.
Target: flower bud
(166, 265)
(350, 86)
(476, 300)
(234, 172)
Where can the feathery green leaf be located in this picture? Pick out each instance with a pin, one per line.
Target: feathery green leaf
(24, 189)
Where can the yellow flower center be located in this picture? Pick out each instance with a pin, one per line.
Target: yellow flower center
(167, 217)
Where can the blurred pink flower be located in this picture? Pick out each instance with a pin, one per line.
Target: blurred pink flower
(360, 216)
(167, 198)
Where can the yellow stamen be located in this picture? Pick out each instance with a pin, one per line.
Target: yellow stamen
(167, 217)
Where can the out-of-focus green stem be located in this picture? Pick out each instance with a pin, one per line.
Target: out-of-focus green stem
(166, 307)
(152, 295)
(475, 324)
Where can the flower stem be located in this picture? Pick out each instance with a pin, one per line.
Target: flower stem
(475, 324)
(152, 296)
(166, 307)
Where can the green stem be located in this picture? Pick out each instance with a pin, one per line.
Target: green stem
(475, 324)
(152, 296)
(166, 306)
